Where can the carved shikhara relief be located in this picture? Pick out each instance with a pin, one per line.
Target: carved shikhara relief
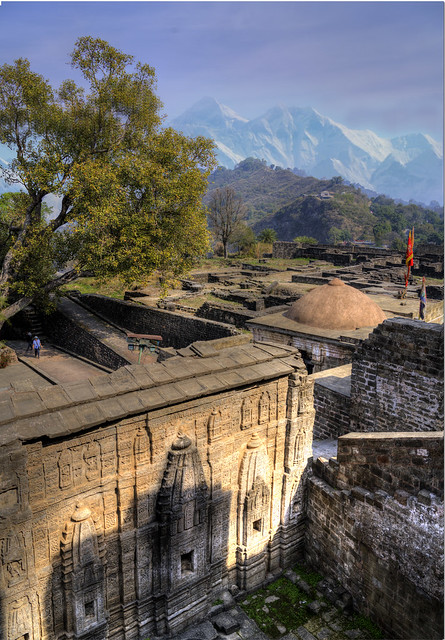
(155, 514)
(83, 555)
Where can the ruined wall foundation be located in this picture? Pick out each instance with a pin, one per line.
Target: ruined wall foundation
(381, 535)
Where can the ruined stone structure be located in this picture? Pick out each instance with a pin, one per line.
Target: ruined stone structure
(325, 325)
(375, 523)
(397, 378)
(395, 383)
(129, 501)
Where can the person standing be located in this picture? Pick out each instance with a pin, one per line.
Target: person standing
(37, 346)
(29, 341)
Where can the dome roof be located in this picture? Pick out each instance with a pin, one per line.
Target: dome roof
(336, 305)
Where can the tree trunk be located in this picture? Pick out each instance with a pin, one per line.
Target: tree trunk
(22, 303)
(225, 249)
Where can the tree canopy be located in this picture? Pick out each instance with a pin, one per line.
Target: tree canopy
(268, 236)
(129, 190)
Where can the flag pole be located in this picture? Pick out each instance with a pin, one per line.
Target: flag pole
(422, 300)
(409, 259)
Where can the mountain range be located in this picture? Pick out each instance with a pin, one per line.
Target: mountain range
(407, 167)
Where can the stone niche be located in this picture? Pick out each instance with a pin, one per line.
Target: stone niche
(132, 525)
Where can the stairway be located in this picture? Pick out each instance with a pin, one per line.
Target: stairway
(34, 321)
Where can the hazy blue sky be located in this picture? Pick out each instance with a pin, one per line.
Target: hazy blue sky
(376, 65)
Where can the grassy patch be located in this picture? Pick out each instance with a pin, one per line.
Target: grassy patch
(112, 287)
(197, 301)
(311, 577)
(288, 610)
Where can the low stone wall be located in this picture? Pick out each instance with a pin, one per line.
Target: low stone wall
(397, 378)
(229, 315)
(409, 462)
(176, 330)
(332, 402)
(69, 335)
(385, 548)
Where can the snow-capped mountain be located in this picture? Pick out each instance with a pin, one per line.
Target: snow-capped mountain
(406, 167)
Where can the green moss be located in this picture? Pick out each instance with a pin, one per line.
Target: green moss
(311, 577)
(288, 610)
(365, 624)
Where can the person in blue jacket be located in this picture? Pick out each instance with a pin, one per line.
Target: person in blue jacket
(37, 346)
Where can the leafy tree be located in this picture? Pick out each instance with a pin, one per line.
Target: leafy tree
(226, 211)
(336, 235)
(381, 230)
(268, 236)
(130, 191)
(244, 238)
(306, 240)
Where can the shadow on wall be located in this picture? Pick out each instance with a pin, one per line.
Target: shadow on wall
(129, 532)
(177, 330)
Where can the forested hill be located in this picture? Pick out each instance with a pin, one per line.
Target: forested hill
(264, 189)
(296, 206)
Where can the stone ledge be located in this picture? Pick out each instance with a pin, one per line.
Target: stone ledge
(77, 416)
(236, 367)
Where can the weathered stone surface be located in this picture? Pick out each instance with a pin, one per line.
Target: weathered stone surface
(226, 623)
(132, 500)
(397, 378)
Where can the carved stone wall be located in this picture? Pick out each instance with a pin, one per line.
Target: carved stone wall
(132, 525)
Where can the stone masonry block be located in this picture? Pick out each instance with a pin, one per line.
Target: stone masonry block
(82, 391)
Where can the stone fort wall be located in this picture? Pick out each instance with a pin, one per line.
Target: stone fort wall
(375, 524)
(129, 502)
(397, 378)
(177, 330)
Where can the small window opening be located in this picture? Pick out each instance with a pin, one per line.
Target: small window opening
(257, 525)
(89, 609)
(187, 563)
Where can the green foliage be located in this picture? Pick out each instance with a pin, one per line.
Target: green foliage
(365, 624)
(268, 236)
(130, 191)
(306, 240)
(289, 609)
(278, 199)
(244, 238)
(335, 235)
(311, 577)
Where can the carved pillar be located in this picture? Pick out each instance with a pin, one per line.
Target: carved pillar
(298, 449)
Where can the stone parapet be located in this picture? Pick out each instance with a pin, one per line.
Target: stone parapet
(375, 523)
(397, 378)
(392, 462)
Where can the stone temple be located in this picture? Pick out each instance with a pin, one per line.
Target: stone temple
(325, 325)
(129, 502)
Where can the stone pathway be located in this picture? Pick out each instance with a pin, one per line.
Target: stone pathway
(52, 367)
(109, 335)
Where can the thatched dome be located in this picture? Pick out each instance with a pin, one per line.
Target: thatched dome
(336, 305)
